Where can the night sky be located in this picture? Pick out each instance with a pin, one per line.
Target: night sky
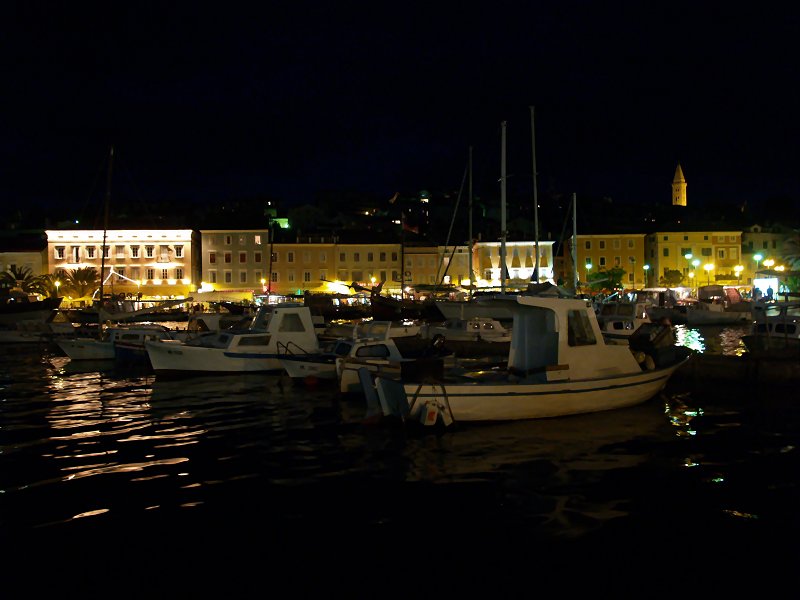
(207, 102)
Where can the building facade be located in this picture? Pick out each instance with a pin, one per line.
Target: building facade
(154, 263)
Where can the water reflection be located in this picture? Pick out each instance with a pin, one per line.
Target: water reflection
(726, 340)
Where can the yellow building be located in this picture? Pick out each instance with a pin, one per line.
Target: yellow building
(703, 258)
(603, 252)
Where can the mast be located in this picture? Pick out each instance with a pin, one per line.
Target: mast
(402, 254)
(575, 240)
(105, 233)
(503, 209)
(271, 253)
(471, 241)
(535, 202)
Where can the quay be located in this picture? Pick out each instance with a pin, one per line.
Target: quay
(744, 369)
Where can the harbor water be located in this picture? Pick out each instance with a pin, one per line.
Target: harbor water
(121, 483)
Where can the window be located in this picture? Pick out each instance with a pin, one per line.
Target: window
(358, 276)
(342, 257)
(75, 254)
(721, 253)
(323, 275)
(134, 251)
(276, 279)
(602, 261)
(178, 251)
(630, 243)
(164, 274)
(212, 257)
(164, 253)
(119, 251)
(257, 239)
(382, 257)
(106, 251)
(342, 275)
(617, 244)
(90, 252)
(394, 256)
(587, 244)
(60, 252)
(212, 277)
(705, 252)
(228, 240)
(151, 273)
(274, 257)
(323, 257)
(228, 276)
(257, 257)
(120, 273)
(579, 329)
(291, 322)
(290, 257)
(666, 238)
(148, 251)
(395, 276)
(242, 276)
(617, 261)
(685, 251)
(306, 276)
(370, 257)
(242, 257)
(666, 251)
(258, 276)
(306, 257)
(289, 276)
(228, 258)
(602, 244)
(242, 240)
(179, 273)
(356, 257)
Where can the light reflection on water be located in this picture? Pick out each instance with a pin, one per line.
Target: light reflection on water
(105, 451)
(726, 340)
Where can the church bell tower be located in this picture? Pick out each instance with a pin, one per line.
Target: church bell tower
(679, 188)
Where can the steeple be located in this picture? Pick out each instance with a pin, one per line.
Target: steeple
(679, 188)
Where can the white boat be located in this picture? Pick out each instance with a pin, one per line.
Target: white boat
(125, 342)
(274, 331)
(775, 330)
(473, 329)
(619, 320)
(559, 364)
(322, 365)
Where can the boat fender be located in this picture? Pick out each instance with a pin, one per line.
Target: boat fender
(649, 363)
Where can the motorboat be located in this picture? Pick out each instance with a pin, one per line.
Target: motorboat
(122, 342)
(775, 330)
(559, 364)
(275, 330)
(618, 320)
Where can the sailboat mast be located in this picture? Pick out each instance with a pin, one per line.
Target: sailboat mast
(535, 202)
(471, 241)
(503, 208)
(575, 240)
(105, 233)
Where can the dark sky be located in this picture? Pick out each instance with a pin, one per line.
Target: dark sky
(205, 102)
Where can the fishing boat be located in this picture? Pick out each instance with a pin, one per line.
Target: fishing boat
(559, 364)
(16, 306)
(619, 319)
(775, 331)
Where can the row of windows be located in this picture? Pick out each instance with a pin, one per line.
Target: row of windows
(150, 273)
(227, 257)
(601, 244)
(165, 253)
(601, 261)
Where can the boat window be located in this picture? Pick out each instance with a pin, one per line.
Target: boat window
(254, 340)
(373, 351)
(342, 348)
(579, 329)
(291, 322)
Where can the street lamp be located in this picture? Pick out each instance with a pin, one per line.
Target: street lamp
(588, 269)
(738, 269)
(757, 258)
(768, 263)
(58, 285)
(708, 268)
(645, 268)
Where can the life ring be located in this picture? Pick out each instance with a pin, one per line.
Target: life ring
(121, 296)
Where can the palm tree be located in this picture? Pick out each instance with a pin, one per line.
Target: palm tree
(18, 277)
(79, 282)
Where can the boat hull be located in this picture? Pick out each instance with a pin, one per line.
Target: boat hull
(509, 400)
(176, 358)
(86, 349)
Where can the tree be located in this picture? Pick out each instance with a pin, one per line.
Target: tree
(671, 278)
(79, 282)
(19, 277)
